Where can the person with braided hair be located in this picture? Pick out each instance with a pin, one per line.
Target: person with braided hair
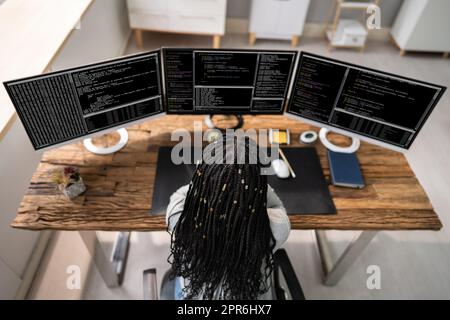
(225, 226)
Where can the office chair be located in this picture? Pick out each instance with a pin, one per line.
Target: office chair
(285, 285)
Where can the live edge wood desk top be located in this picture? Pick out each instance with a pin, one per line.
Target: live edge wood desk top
(120, 186)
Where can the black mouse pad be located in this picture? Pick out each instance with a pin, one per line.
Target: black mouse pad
(306, 194)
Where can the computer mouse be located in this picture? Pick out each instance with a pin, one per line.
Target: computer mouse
(280, 168)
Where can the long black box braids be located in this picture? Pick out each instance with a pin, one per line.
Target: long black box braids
(222, 241)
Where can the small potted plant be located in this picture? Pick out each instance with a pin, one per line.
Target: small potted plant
(69, 181)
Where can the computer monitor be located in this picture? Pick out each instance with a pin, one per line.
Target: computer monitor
(59, 107)
(207, 81)
(379, 107)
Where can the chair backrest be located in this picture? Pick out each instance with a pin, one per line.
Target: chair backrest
(283, 276)
(167, 287)
(283, 264)
(150, 284)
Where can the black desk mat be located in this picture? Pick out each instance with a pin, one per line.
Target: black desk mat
(306, 194)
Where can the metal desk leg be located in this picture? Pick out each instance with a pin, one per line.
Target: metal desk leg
(334, 271)
(111, 270)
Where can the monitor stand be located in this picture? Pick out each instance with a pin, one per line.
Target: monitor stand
(212, 125)
(109, 149)
(352, 148)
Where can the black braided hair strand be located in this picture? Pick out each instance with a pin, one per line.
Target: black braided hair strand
(222, 240)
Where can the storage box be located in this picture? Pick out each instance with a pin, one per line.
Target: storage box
(348, 33)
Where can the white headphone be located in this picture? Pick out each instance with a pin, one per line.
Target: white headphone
(327, 143)
(109, 150)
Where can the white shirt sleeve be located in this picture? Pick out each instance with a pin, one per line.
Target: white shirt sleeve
(175, 207)
(279, 220)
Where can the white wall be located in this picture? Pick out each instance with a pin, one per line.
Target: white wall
(17, 163)
(103, 34)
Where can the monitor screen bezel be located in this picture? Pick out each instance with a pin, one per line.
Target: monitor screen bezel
(344, 131)
(194, 113)
(105, 130)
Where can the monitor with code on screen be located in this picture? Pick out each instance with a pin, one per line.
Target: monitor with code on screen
(206, 81)
(381, 107)
(62, 106)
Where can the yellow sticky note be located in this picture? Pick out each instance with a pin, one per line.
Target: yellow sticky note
(280, 137)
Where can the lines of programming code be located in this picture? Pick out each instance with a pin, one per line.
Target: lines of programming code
(114, 117)
(371, 128)
(316, 87)
(385, 99)
(68, 104)
(179, 73)
(179, 80)
(218, 81)
(48, 109)
(225, 68)
(110, 85)
(374, 104)
(220, 97)
(274, 71)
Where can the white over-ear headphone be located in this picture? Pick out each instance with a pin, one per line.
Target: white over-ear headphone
(327, 143)
(109, 150)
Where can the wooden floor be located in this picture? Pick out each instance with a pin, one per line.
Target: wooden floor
(414, 264)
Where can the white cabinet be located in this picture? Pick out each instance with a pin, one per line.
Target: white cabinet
(180, 16)
(423, 25)
(277, 19)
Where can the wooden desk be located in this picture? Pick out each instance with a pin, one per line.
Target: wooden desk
(120, 189)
